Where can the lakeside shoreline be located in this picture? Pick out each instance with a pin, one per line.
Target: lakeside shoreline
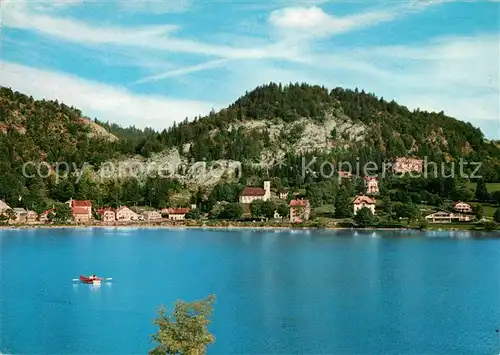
(234, 225)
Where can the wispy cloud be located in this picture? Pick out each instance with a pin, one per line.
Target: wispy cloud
(100, 100)
(185, 70)
(155, 6)
(313, 21)
(76, 31)
(159, 38)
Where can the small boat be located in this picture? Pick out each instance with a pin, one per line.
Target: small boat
(91, 280)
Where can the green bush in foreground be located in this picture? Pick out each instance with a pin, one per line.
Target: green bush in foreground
(184, 331)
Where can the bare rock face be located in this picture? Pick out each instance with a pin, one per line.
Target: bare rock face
(170, 164)
(302, 136)
(305, 135)
(98, 131)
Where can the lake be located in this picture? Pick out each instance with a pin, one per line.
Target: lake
(278, 292)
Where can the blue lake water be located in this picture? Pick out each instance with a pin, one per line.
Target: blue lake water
(278, 292)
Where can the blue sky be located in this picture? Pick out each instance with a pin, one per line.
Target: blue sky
(150, 63)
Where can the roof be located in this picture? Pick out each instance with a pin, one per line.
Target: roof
(180, 210)
(345, 173)
(47, 212)
(103, 210)
(4, 206)
(371, 178)
(121, 208)
(441, 213)
(79, 210)
(459, 202)
(20, 210)
(364, 199)
(299, 203)
(149, 212)
(81, 203)
(409, 160)
(253, 191)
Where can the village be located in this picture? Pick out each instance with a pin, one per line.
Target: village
(299, 209)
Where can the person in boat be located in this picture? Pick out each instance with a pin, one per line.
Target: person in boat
(92, 277)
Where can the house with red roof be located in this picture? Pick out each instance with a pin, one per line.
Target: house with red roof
(345, 174)
(81, 210)
(371, 185)
(250, 194)
(300, 210)
(80, 214)
(363, 201)
(462, 207)
(44, 216)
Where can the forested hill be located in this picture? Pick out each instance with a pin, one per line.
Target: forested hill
(34, 131)
(290, 121)
(355, 121)
(49, 130)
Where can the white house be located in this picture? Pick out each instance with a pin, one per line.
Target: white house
(31, 217)
(250, 194)
(363, 201)
(447, 217)
(462, 207)
(107, 214)
(151, 215)
(126, 214)
(25, 216)
(371, 185)
(283, 194)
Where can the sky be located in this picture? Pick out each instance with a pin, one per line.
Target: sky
(150, 63)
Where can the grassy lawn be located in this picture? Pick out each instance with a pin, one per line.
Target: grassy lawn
(488, 210)
(324, 209)
(491, 186)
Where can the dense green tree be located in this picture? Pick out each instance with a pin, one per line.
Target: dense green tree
(387, 205)
(232, 210)
(406, 210)
(462, 194)
(496, 215)
(268, 208)
(482, 191)
(283, 209)
(343, 205)
(194, 214)
(185, 330)
(495, 196)
(478, 211)
(62, 213)
(257, 208)
(364, 217)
